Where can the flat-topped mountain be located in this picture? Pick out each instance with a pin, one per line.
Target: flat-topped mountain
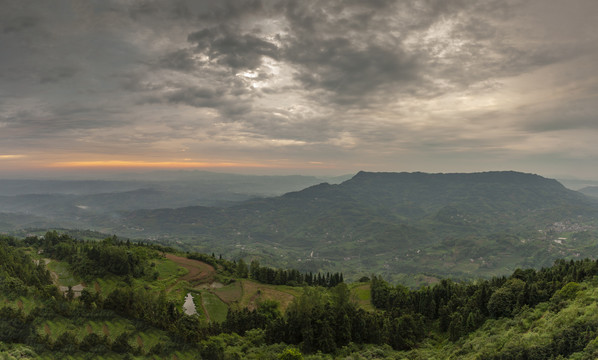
(408, 197)
(403, 222)
(418, 194)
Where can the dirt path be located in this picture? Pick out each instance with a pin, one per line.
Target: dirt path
(205, 311)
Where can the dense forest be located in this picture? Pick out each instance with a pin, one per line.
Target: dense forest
(323, 321)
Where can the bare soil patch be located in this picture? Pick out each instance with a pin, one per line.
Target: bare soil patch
(199, 272)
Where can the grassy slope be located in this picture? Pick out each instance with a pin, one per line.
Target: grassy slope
(360, 293)
(216, 309)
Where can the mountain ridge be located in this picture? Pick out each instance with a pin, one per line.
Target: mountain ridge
(478, 223)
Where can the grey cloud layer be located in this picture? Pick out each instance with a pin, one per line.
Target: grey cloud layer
(345, 75)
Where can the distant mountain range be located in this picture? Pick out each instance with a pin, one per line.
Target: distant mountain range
(397, 224)
(76, 202)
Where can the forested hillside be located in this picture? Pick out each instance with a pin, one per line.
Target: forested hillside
(129, 304)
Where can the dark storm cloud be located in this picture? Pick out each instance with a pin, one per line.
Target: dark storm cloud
(225, 10)
(347, 71)
(198, 97)
(317, 42)
(349, 77)
(228, 48)
(354, 52)
(339, 50)
(181, 60)
(153, 9)
(229, 106)
(227, 96)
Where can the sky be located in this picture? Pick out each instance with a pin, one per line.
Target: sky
(310, 87)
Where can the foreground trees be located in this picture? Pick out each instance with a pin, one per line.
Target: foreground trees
(323, 318)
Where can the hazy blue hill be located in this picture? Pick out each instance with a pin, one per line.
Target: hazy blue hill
(12, 221)
(459, 224)
(434, 191)
(478, 199)
(11, 187)
(96, 204)
(590, 191)
(57, 206)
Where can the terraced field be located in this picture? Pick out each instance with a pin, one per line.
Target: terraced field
(198, 272)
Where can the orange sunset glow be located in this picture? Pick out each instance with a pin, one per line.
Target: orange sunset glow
(150, 164)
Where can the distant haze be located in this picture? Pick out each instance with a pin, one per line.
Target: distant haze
(89, 88)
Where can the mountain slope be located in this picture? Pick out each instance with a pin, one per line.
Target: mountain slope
(457, 224)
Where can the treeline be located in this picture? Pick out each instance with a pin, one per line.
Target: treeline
(212, 260)
(289, 277)
(90, 259)
(268, 275)
(461, 307)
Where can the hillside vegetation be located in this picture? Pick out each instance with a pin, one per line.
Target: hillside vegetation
(128, 303)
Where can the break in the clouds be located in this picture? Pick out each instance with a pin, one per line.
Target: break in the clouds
(340, 86)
